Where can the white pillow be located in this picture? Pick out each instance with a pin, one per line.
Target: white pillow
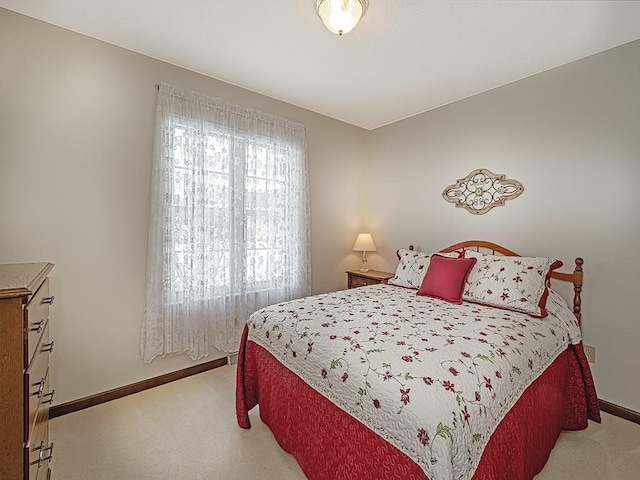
(413, 267)
(514, 283)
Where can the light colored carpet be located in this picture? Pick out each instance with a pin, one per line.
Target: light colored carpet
(187, 430)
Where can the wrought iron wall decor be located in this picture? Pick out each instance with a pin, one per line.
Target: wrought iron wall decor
(482, 190)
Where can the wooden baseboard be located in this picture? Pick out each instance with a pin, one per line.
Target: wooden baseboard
(619, 411)
(97, 399)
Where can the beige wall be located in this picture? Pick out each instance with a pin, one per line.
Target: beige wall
(76, 123)
(571, 136)
(76, 126)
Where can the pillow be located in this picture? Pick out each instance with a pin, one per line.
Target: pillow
(445, 278)
(412, 267)
(514, 283)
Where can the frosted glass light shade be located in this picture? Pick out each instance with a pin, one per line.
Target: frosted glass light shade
(364, 243)
(341, 16)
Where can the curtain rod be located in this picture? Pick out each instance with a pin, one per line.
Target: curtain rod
(267, 117)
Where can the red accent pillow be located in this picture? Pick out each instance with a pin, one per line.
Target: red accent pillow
(446, 277)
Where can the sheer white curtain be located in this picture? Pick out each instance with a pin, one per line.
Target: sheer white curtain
(229, 231)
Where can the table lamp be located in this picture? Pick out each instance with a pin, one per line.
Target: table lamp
(364, 243)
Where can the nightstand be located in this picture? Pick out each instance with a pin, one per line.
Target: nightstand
(356, 278)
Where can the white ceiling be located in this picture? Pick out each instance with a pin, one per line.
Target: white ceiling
(405, 57)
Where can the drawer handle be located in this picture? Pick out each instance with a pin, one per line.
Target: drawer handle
(50, 395)
(42, 456)
(41, 448)
(48, 300)
(49, 456)
(37, 327)
(48, 347)
(40, 386)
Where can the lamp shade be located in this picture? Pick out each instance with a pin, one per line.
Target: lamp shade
(341, 16)
(364, 243)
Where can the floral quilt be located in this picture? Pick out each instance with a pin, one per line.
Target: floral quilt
(432, 378)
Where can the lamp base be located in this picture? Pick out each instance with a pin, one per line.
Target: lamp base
(364, 267)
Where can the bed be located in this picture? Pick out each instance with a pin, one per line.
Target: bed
(390, 382)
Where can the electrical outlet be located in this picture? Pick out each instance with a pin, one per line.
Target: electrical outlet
(590, 353)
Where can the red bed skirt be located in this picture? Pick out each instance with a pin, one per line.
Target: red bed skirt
(328, 443)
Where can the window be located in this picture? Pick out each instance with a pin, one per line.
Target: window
(229, 231)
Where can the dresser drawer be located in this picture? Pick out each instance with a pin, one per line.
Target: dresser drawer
(362, 282)
(356, 278)
(38, 407)
(38, 453)
(37, 314)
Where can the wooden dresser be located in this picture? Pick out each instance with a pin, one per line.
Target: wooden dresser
(357, 278)
(25, 346)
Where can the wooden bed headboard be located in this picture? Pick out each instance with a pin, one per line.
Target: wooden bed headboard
(575, 277)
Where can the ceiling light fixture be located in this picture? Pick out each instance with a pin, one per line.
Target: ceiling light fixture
(341, 16)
